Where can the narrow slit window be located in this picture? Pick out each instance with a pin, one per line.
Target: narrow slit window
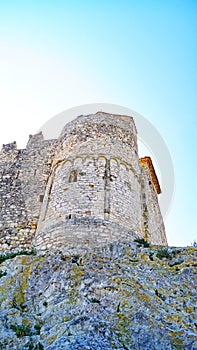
(73, 176)
(41, 198)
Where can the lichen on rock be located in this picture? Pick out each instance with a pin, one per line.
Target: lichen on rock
(113, 297)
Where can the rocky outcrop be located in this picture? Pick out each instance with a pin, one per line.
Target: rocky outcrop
(121, 296)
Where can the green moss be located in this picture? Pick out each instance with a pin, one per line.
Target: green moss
(51, 339)
(66, 318)
(75, 278)
(177, 339)
(19, 293)
(123, 328)
(77, 271)
(5, 288)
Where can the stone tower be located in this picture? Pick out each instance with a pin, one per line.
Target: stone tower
(86, 188)
(97, 189)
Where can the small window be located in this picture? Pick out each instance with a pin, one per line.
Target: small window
(68, 217)
(41, 198)
(73, 176)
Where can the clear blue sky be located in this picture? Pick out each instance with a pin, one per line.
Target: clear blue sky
(140, 54)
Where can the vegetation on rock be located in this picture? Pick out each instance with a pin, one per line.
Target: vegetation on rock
(120, 296)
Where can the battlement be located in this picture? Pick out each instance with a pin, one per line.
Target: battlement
(35, 140)
(9, 147)
(87, 187)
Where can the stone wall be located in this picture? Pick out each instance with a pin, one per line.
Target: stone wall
(23, 177)
(84, 189)
(152, 221)
(95, 176)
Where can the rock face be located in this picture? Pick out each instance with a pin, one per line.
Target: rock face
(120, 296)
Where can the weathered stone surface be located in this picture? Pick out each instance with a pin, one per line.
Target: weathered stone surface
(120, 296)
(56, 192)
(23, 177)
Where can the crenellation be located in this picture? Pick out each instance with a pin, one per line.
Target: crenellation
(8, 154)
(88, 187)
(9, 147)
(35, 140)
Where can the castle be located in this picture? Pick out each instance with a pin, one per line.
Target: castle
(86, 188)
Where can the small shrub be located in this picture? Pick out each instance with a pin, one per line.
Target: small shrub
(2, 273)
(33, 346)
(151, 256)
(21, 330)
(94, 300)
(142, 242)
(37, 327)
(163, 253)
(12, 255)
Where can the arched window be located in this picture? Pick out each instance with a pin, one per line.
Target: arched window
(73, 176)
